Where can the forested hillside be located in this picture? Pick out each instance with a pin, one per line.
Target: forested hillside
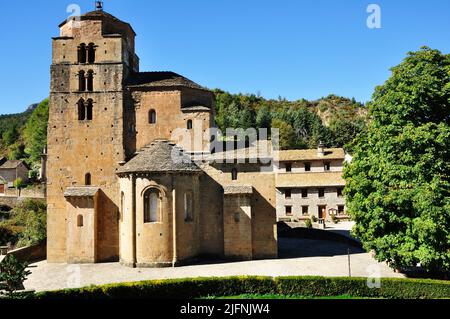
(303, 124)
(24, 135)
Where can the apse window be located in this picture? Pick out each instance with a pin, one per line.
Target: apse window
(188, 207)
(151, 206)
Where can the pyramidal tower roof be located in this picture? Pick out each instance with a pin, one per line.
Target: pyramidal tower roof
(98, 15)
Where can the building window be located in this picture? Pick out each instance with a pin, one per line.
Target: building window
(81, 81)
(88, 179)
(237, 217)
(188, 207)
(189, 124)
(90, 80)
(304, 193)
(234, 174)
(89, 110)
(81, 110)
(321, 192)
(288, 210)
(288, 167)
(307, 167)
(339, 191)
(288, 193)
(152, 117)
(341, 210)
(80, 221)
(305, 210)
(327, 166)
(151, 206)
(91, 52)
(82, 53)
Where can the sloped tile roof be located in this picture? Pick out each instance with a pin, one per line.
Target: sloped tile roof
(237, 189)
(294, 180)
(81, 191)
(161, 156)
(309, 155)
(160, 79)
(11, 164)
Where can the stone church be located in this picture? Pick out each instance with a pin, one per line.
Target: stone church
(119, 187)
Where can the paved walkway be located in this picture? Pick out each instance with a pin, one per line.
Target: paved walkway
(299, 257)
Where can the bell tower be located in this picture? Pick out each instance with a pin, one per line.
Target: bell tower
(92, 58)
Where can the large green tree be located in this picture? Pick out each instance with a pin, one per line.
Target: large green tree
(398, 188)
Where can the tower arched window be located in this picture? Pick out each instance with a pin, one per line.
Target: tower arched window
(82, 53)
(189, 124)
(89, 110)
(81, 81)
(90, 80)
(88, 179)
(234, 174)
(81, 110)
(152, 204)
(91, 52)
(152, 117)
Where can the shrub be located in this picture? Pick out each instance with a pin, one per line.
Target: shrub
(7, 235)
(19, 183)
(308, 223)
(314, 219)
(13, 273)
(235, 286)
(334, 219)
(30, 217)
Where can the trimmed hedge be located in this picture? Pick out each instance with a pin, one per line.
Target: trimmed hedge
(232, 286)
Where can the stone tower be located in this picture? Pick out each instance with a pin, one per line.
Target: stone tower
(92, 59)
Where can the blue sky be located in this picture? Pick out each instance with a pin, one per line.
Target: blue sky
(294, 49)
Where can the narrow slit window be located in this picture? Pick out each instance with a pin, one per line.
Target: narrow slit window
(152, 117)
(234, 174)
(80, 221)
(88, 179)
(189, 124)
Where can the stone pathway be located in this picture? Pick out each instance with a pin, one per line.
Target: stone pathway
(299, 257)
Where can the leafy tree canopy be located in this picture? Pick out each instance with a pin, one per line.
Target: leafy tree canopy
(398, 186)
